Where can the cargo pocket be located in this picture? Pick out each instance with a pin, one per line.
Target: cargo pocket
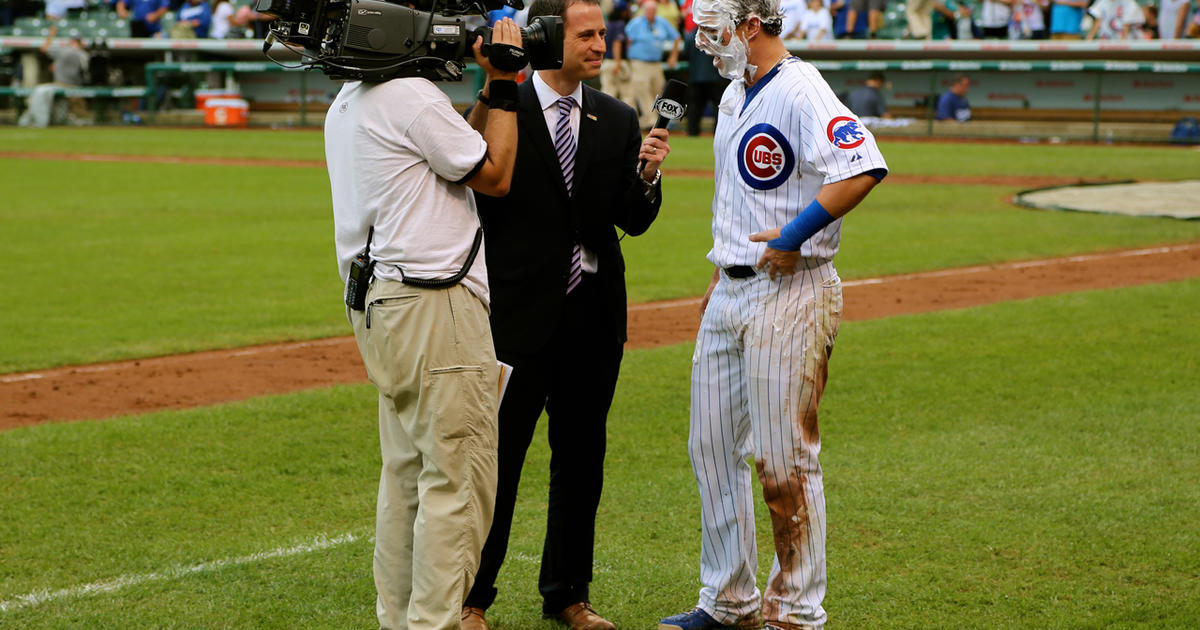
(456, 396)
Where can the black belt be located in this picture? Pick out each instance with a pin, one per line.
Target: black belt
(740, 272)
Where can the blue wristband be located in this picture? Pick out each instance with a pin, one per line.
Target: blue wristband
(812, 220)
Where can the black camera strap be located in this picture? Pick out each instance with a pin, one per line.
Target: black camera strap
(452, 280)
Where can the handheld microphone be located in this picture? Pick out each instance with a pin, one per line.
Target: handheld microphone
(670, 106)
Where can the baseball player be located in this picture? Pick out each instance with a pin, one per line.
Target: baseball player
(791, 160)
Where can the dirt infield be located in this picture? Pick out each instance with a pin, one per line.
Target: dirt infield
(204, 378)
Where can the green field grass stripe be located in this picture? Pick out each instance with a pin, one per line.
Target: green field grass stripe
(319, 543)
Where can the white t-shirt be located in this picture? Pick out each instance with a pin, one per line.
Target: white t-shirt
(394, 151)
(774, 151)
(994, 14)
(792, 10)
(220, 21)
(1168, 17)
(1029, 12)
(817, 25)
(1113, 15)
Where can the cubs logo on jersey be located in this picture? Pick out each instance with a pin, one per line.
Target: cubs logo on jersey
(845, 133)
(765, 159)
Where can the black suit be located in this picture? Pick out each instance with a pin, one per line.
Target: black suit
(565, 349)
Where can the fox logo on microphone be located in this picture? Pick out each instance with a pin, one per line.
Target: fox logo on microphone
(765, 159)
(668, 108)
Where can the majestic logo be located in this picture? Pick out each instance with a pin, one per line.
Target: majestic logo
(845, 133)
(765, 158)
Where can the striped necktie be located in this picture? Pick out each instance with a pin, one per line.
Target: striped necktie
(564, 145)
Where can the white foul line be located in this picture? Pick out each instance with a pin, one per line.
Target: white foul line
(959, 271)
(107, 586)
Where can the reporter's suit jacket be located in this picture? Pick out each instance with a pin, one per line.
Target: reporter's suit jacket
(531, 233)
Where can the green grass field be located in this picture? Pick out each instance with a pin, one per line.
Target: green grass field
(1026, 464)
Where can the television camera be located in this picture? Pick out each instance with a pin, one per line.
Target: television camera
(375, 40)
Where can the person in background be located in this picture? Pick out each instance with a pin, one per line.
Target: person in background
(670, 11)
(866, 101)
(816, 22)
(953, 104)
(792, 11)
(1114, 19)
(144, 15)
(616, 77)
(648, 33)
(1066, 17)
(222, 20)
(843, 27)
(705, 83)
(197, 15)
(56, 10)
(1172, 18)
(1028, 20)
(994, 16)
(951, 20)
(919, 14)
(70, 68)
(874, 12)
(1193, 28)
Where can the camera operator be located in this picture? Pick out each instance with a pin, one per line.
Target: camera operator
(400, 161)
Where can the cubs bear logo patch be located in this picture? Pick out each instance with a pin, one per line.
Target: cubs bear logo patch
(845, 133)
(765, 159)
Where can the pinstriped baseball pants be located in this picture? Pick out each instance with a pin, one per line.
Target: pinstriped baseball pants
(758, 373)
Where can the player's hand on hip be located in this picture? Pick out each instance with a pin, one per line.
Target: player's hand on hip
(775, 262)
(654, 150)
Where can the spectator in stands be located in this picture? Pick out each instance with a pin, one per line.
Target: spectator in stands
(194, 16)
(70, 68)
(792, 11)
(1066, 18)
(145, 18)
(953, 105)
(648, 34)
(56, 10)
(919, 15)
(1172, 18)
(1114, 19)
(951, 20)
(705, 84)
(866, 100)
(873, 9)
(670, 11)
(222, 20)
(843, 28)
(616, 77)
(1028, 20)
(1193, 29)
(994, 16)
(816, 22)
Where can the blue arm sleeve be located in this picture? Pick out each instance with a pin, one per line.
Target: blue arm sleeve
(812, 220)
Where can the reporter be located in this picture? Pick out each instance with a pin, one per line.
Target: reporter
(400, 163)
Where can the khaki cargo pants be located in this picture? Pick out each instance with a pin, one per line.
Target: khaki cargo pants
(429, 353)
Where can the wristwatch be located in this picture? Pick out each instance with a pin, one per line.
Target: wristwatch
(483, 99)
(652, 183)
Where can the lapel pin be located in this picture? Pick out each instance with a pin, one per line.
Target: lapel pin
(592, 116)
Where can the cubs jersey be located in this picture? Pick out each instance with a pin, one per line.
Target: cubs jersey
(777, 143)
